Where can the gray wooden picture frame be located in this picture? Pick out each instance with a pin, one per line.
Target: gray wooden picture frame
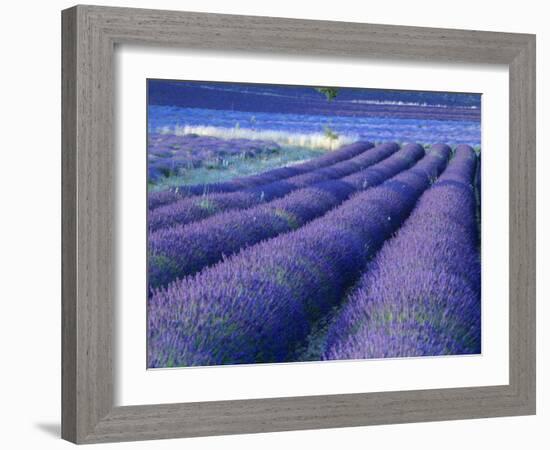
(90, 34)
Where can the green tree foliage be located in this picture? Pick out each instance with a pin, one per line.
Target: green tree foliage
(329, 92)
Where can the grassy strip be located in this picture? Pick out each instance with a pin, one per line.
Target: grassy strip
(237, 167)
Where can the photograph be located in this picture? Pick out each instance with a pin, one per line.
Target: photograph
(249, 225)
(290, 224)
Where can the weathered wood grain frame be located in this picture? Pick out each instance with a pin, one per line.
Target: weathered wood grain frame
(89, 37)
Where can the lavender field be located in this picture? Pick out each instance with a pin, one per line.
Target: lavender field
(291, 240)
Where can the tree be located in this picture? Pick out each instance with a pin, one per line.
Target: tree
(329, 92)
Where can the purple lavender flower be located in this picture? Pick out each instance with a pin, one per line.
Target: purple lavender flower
(183, 250)
(258, 304)
(421, 294)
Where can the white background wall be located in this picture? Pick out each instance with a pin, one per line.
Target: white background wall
(31, 208)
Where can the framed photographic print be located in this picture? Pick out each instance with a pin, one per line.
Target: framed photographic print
(255, 209)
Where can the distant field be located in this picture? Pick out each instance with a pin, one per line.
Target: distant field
(175, 160)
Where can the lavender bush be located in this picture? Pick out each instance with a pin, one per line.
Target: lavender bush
(183, 250)
(192, 209)
(257, 305)
(421, 294)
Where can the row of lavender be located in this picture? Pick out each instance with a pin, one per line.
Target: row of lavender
(259, 304)
(421, 294)
(478, 196)
(183, 250)
(161, 198)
